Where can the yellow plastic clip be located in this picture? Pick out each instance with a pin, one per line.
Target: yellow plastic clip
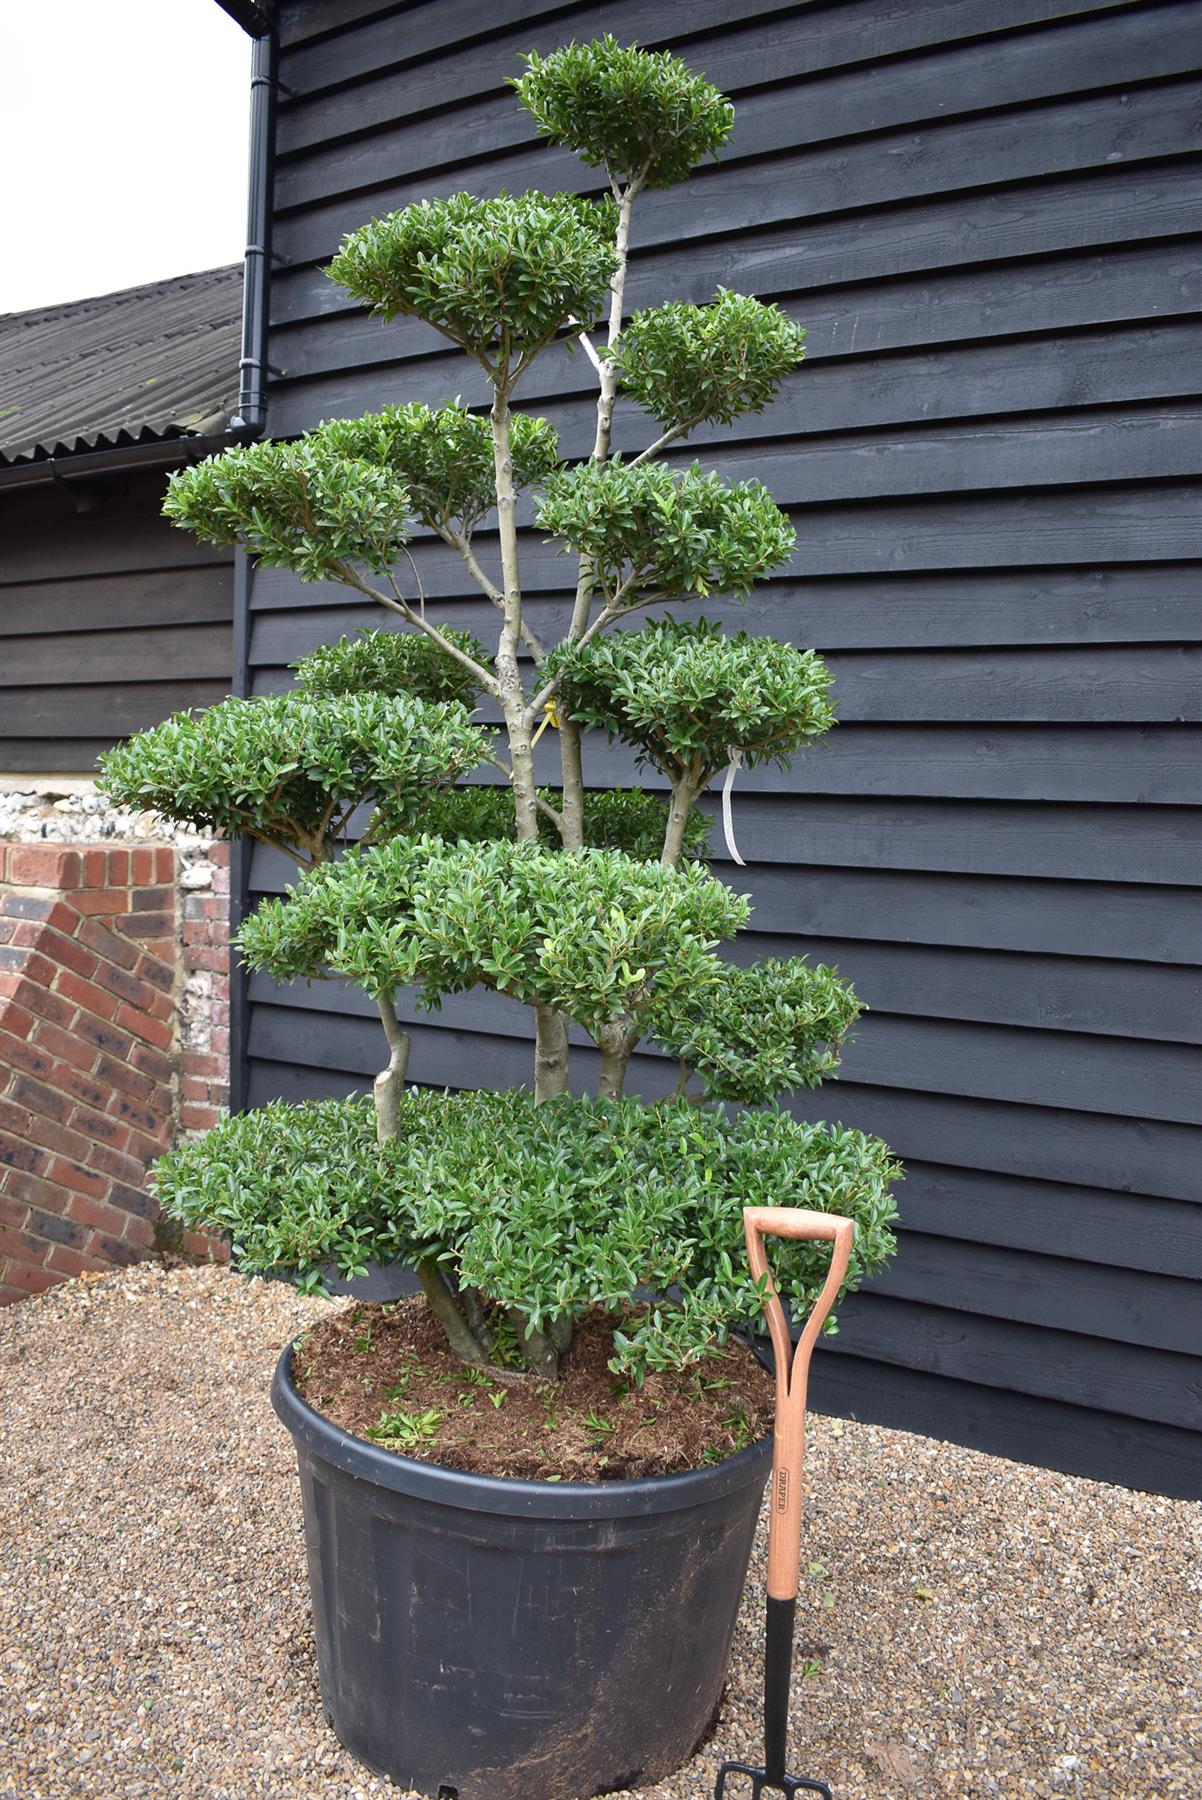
(550, 717)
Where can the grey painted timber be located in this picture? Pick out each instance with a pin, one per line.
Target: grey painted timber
(984, 213)
(110, 619)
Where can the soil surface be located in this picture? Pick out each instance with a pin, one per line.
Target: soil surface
(386, 1373)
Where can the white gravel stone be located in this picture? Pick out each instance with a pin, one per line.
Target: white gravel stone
(967, 1626)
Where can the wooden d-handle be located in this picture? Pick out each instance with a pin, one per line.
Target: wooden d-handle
(792, 1372)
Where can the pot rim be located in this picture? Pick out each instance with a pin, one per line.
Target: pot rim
(506, 1494)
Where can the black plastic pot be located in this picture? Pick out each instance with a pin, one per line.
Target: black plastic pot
(518, 1640)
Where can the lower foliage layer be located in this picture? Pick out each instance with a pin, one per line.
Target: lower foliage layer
(546, 1211)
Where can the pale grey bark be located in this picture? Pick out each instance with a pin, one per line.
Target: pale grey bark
(388, 1088)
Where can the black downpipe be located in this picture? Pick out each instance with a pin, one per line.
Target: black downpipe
(247, 424)
(250, 420)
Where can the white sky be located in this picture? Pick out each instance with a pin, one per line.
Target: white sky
(126, 125)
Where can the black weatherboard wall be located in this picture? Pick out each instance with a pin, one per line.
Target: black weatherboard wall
(980, 210)
(109, 620)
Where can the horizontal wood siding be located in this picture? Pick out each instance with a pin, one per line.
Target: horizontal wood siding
(109, 620)
(982, 212)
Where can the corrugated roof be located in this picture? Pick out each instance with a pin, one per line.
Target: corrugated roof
(138, 366)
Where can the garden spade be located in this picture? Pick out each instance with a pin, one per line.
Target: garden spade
(788, 1451)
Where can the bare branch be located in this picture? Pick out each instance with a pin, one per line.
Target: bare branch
(586, 342)
(548, 811)
(661, 443)
(400, 605)
(483, 581)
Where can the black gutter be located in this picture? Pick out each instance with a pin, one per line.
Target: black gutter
(255, 18)
(163, 453)
(250, 420)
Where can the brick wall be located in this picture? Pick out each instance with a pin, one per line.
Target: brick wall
(114, 1040)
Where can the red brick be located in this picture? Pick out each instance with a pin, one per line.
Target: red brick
(51, 911)
(219, 1037)
(60, 1138)
(34, 1191)
(79, 1085)
(149, 1149)
(113, 1162)
(28, 906)
(128, 987)
(56, 1227)
(164, 950)
(216, 960)
(13, 1211)
(33, 1281)
(194, 1117)
(8, 1294)
(114, 1249)
(15, 1054)
(65, 950)
(18, 1154)
(38, 1098)
(118, 868)
(160, 975)
(50, 1005)
(102, 900)
(94, 864)
(199, 1243)
(105, 1037)
(100, 1127)
(16, 961)
(201, 1062)
(13, 1118)
(152, 1062)
(22, 1245)
(79, 1180)
(43, 865)
(99, 938)
(86, 994)
(23, 934)
(163, 1007)
(194, 1087)
(164, 865)
(139, 1231)
(120, 1075)
(152, 899)
(65, 1045)
(141, 868)
(95, 1214)
(71, 1262)
(197, 933)
(16, 1019)
(152, 1031)
(148, 925)
(142, 1118)
(134, 1200)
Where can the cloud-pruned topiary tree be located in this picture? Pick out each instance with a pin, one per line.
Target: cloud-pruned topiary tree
(592, 908)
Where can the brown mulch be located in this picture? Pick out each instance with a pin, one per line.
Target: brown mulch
(387, 1373)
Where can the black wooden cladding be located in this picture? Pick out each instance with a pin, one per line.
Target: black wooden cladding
(983, 213)
(110, 619)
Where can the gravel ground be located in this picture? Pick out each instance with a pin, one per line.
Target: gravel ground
(973, 1627)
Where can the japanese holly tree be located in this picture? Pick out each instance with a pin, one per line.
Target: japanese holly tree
(430, 859)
